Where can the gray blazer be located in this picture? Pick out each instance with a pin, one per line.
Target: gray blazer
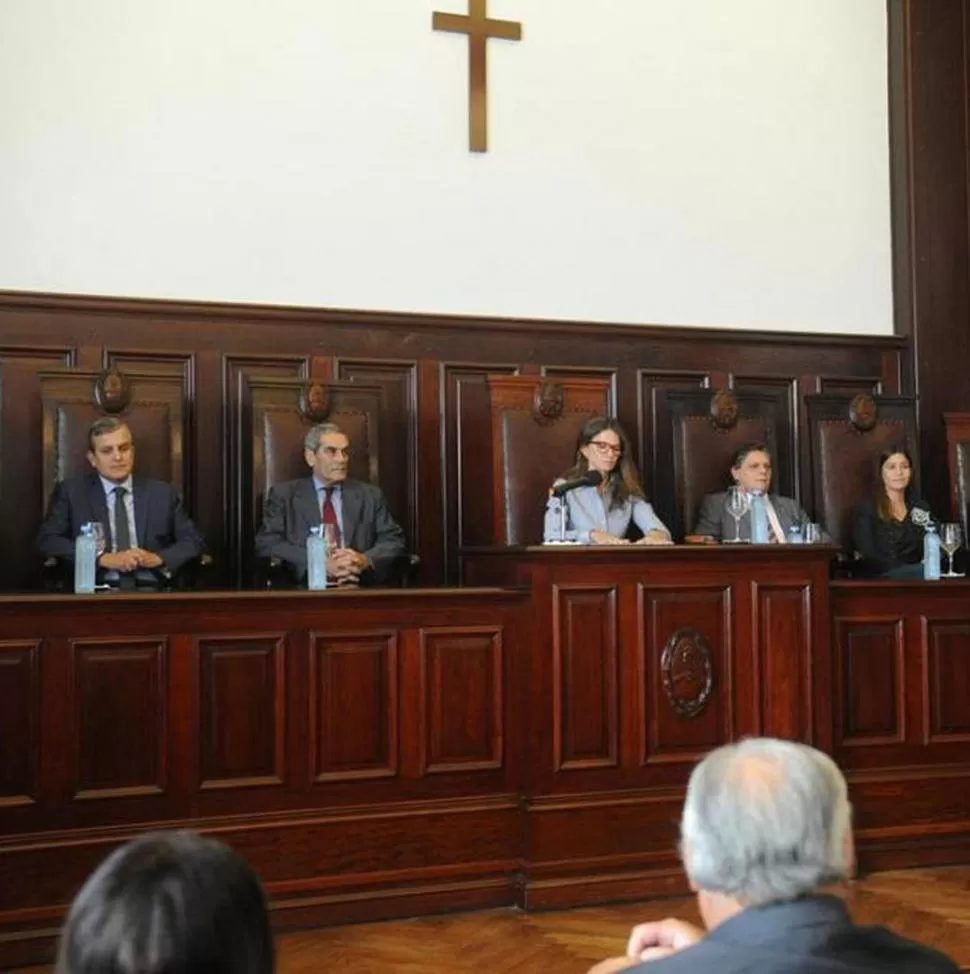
(291, 509)
(715, 521)
(813, 935)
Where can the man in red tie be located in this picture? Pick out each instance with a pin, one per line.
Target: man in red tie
(365, 539)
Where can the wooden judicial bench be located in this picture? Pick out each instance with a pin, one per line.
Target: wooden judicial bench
(523, 740)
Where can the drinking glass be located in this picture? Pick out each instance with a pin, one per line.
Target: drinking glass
(950, 540)
(97, 531)
(738, 504)
(330, 538)
(813, 533)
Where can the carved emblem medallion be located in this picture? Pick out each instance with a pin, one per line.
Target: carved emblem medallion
(314, 402)
(724, 409)
(112, 392)
(687, 669)
(863, 412)
(550, 399)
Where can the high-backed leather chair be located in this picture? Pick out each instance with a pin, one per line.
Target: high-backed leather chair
(152, 406)
(846, 435)
(698, 432)
(276, 414)
(535, 425)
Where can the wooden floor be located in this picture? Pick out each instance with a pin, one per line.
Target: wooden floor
(929, 905)
(932, 906)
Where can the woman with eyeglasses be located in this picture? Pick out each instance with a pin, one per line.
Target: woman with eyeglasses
(602, 514)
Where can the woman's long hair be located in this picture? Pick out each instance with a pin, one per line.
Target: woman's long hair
(880, 496)
(625, 480)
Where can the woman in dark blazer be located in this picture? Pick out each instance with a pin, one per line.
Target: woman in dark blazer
(888, 527)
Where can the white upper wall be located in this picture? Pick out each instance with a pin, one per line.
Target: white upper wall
(689, 162)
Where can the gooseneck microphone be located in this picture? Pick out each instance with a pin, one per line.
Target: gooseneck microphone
(591, 478)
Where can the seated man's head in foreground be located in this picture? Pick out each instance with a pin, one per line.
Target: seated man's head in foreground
(764, 820)
(169, 903)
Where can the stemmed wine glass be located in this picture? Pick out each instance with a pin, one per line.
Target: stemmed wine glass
(97, 531)
(738, 504)
(950, 540)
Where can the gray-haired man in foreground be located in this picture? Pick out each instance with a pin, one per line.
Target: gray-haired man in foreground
(766, 828)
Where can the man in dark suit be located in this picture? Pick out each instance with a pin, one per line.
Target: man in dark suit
(766, 832)
(148, 536)
(367, 540)
(751, 471)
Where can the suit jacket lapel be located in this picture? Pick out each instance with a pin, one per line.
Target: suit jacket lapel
(352, 503)
(305, 501)
(99, 509)
(140, 501)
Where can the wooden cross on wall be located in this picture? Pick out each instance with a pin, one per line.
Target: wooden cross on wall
(479, 28)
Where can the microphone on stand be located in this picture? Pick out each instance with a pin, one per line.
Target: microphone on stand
(591, 478)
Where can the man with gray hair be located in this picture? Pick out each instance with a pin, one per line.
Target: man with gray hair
(366, 538)
(765, 831)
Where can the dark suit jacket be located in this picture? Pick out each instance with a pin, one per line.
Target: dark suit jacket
(291, 509)
(161, 523)
(715, 521)
(814, 935)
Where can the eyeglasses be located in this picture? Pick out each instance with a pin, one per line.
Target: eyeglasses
(603, 447)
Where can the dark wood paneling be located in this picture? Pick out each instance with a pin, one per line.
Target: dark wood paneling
(242, 710)
(585, 664)
(461, 702)
(670, 735)
(353, 705)
(236, 447)
(934, 160)
(286, 743)
(120, 727)
(468, 486)
(869, 662)
(947, 681)
(21, 453)
(784, 652)
(19, 720)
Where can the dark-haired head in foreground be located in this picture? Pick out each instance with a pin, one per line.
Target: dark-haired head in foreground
(169, 903)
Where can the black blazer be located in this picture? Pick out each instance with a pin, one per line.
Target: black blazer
(161, 523)
(887, 546)
(813, 935)
(291, 509)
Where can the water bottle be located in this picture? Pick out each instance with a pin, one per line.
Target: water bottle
(552, 527)
(316, 560)
(931, 554)
(85, 560)
(795, 534)
(759, 520)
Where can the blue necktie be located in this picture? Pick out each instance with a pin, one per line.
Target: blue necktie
(759, 520)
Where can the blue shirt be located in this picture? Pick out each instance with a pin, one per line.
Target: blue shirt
(589, 511)
(336, 497)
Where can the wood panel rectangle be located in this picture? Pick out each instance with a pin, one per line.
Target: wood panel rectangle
(585, 650)
(870, 677)
(120, 707)
(242, 706)
(685, 678)
(784, 628)
(462, 698)
(947, 683)
(353, 706)
(20, 705)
